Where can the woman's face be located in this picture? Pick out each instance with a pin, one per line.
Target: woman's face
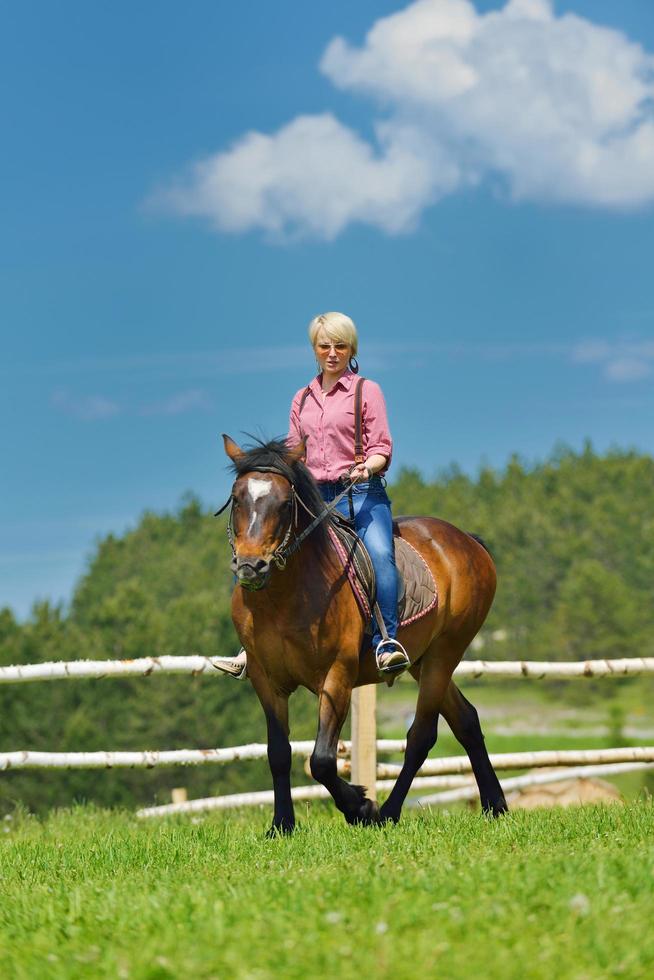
(332, 355)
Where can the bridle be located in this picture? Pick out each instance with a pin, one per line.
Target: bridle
(286, 548)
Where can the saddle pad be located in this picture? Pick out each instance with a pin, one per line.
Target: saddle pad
(418, 592)
(356, 564)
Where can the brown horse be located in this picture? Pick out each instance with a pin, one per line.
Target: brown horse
(298, 620)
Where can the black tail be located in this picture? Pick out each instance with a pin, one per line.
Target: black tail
(481, 541)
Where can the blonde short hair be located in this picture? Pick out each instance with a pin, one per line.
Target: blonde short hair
(337, 327)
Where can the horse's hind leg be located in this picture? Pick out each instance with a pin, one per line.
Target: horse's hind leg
(435, 675)
(334, 705)
(463, 719)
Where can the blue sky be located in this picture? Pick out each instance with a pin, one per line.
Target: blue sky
(185, 186)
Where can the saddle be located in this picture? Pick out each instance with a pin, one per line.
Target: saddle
(417, 592)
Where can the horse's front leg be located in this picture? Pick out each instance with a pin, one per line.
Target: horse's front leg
(279, 760)
(275, 707)
(333, 708)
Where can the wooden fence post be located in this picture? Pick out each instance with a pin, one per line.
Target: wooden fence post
(364, 738)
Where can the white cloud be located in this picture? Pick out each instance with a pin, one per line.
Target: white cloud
(180, 403)
(592, 351)
(557, 107)
(87, 407)
(315, 176)
(621, 361)
(94, 407)
(627, 369)
(197, 363)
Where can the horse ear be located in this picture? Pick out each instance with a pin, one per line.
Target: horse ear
(231, 448)
(298, 452)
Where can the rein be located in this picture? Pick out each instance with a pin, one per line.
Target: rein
(283, 551)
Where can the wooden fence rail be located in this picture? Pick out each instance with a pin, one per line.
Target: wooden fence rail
(148, 666)
(531, 779)
(450, 766)
(468, 791)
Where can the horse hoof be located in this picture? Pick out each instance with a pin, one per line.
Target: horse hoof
(280, 830)
(388, 818)
(495, 809)
(370, 812)
(366, 815)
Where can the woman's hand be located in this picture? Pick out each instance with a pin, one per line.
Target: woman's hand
(360, 473)
(363, 471)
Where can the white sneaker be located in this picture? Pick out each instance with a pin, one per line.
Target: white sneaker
(391, 657)
(236, 667)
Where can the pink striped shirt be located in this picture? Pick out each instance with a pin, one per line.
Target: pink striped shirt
(328, 425)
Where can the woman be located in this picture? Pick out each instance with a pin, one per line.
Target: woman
(324, 414)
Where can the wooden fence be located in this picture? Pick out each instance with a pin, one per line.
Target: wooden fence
(358, 757)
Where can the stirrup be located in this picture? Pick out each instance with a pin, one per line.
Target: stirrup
(393, 660)
(236, 667)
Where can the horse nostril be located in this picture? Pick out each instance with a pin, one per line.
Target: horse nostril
(252, 568)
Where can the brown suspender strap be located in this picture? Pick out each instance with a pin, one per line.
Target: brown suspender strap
(359, 455)
(305, 395)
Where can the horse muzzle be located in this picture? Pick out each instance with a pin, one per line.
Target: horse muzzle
(252, 573)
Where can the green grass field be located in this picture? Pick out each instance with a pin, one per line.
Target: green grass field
(560, 893)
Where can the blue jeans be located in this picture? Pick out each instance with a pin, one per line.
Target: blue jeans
(374, 525)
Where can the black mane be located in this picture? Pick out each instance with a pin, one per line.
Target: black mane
(272, 456)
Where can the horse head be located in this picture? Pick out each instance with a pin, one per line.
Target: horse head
(264, 510)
